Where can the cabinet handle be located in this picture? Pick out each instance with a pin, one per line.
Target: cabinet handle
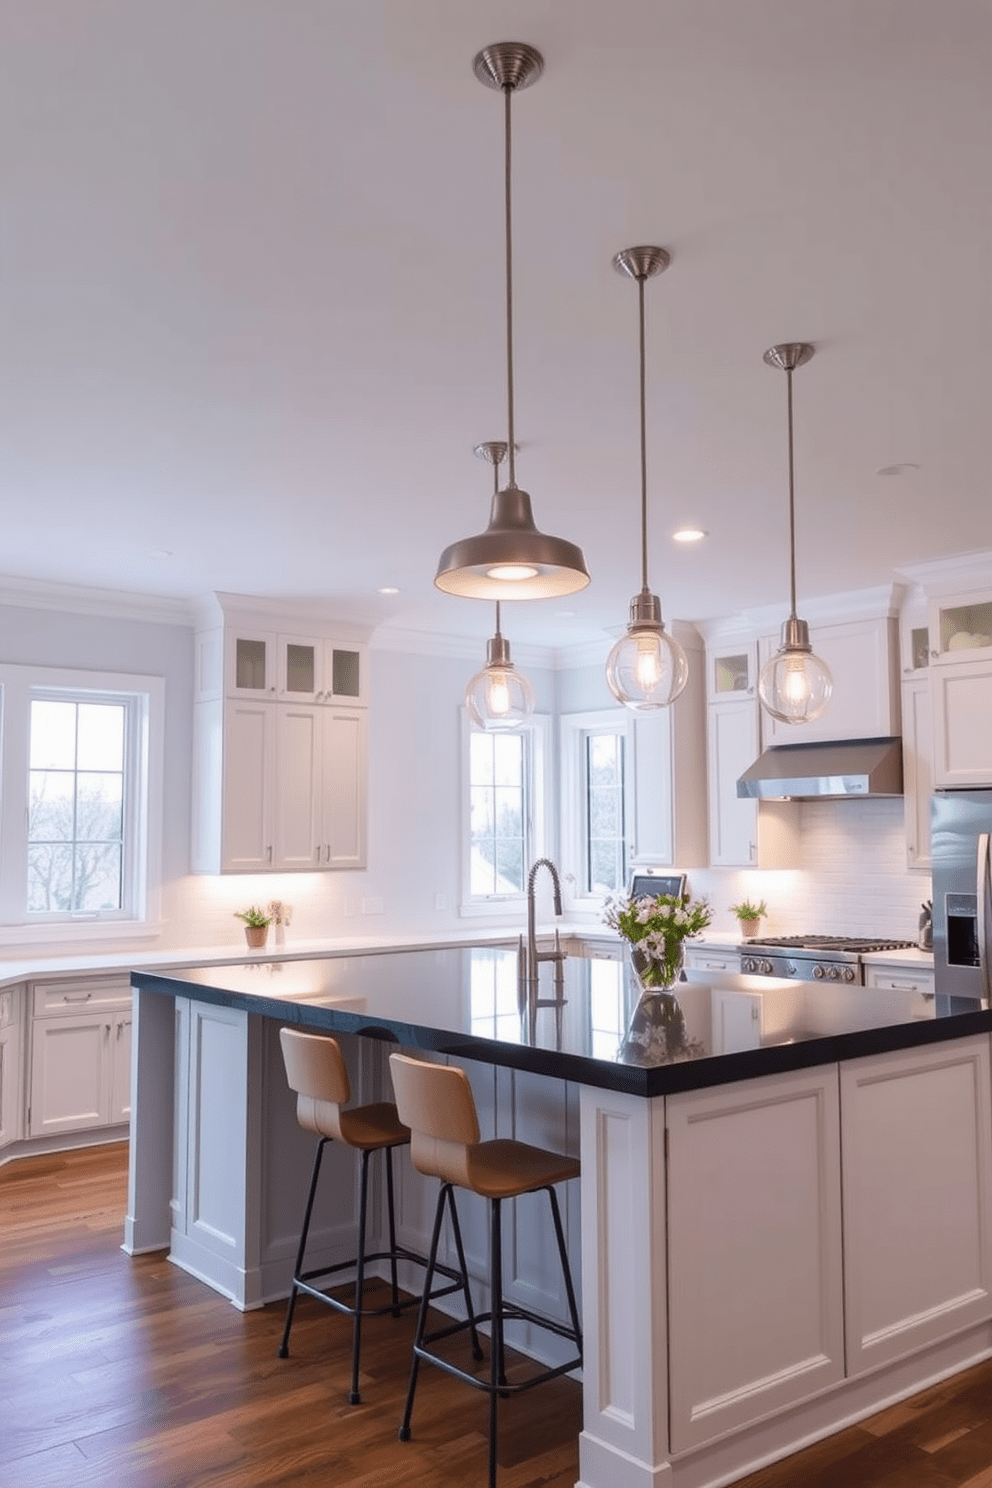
(268, 853)
(106, 1027)
(84, 997)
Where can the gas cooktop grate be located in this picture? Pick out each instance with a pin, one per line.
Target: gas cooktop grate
(851, 944)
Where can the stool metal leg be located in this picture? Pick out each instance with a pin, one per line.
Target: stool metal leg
(463, 1270)
(391, 1215)
(354, 1397)
(497, 1374)
(404, 1430)
(565, 1268)
(298, 1268)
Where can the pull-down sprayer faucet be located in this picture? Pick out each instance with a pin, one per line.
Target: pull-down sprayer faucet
(531, 957)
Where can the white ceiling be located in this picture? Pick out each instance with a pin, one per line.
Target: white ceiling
(251, 294)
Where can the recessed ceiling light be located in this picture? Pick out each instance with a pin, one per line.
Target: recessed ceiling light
(689, 535)
(906, 468)
(387, 589)
(160, 552)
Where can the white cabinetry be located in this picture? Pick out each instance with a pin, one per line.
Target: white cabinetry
(669, 757)
(862, 655)
(280, 751)
(80, 1056)
(712, 958)
(743, 833)
(10, 1065)
(959, 624)
(917, 1198)
(900, 978)
(757, 1324)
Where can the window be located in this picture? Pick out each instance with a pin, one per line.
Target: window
(80, 800)
(504, 790)
(595, 794)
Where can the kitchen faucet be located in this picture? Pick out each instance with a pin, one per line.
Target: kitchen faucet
(530, 957)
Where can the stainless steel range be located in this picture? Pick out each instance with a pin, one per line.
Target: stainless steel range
(813, 958)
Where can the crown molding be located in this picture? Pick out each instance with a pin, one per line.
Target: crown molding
(112, 604)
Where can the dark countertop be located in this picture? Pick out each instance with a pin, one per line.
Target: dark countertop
(462, 1001)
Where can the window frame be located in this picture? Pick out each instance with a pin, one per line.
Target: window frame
(574, 730)
(144, 698)
(537, 813)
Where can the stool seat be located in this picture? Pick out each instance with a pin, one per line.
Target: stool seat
(316, 1071)
(504, 1169)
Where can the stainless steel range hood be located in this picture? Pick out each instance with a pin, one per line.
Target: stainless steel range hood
(849, 767)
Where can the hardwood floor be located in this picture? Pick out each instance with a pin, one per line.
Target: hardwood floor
(128, 1373)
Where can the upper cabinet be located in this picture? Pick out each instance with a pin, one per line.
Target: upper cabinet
(280, 745)
(959, 625)
(863, 656)
(292, 668)
(669, 754)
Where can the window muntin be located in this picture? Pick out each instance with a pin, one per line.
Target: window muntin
(76, 806)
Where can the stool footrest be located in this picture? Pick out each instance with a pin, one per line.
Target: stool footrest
(306, 1279)
(509, 1314)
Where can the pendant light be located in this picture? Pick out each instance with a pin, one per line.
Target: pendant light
(499, 697)
(647, 668)
(511, 559)
(794, 685)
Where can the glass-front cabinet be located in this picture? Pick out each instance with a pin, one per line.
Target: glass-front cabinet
(731, 674)
(294, 668)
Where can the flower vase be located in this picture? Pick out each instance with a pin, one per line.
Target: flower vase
(654, 976)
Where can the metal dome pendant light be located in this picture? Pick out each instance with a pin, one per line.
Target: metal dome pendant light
(647, 668)
(499, 697)
(794, 685)
(511, 559)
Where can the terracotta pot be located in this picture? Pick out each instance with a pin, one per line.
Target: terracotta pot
(750, 928)
(256, 936)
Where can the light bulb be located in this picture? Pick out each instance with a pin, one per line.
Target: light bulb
(499, 697)
(497, 694)
(512, 573)
(648, 664)
(795, 685)
(646, 669)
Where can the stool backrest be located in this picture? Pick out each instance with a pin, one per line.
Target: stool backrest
(435, 1101)
(316, 1070)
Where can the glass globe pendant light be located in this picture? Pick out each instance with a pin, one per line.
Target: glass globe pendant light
(499, 697)
(511, 559)
(647, 668)
(794, 685)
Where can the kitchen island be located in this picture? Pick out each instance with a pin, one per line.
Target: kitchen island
(785, 1216)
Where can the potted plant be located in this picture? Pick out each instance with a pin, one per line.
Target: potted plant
(750, 916)
(257, 924)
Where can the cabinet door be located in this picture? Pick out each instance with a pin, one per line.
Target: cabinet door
(862, 657)
(249, 748)
(70, 1073)
(653, 838)
(917, 1198)
(120, 1070)
(300, 668)
(962, 708)
(251, 664)
(917, 769)
(732, 748)
(297, 790)
(10, 1082)
(344, 787)
(756, 1324)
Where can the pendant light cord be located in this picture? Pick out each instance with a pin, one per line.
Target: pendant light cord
(644, 442)
(792, 503)
(511, 470)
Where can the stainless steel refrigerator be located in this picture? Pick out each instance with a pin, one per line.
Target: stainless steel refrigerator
(960, 838)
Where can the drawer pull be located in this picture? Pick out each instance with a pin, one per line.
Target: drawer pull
(83, 997)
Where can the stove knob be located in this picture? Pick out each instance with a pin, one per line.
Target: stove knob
(833, 973)
(849, 973)
(818, 972)
(748, 964)
(766, 968)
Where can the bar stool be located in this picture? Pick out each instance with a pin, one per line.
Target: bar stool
(437, 1104)
(316, 1071)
